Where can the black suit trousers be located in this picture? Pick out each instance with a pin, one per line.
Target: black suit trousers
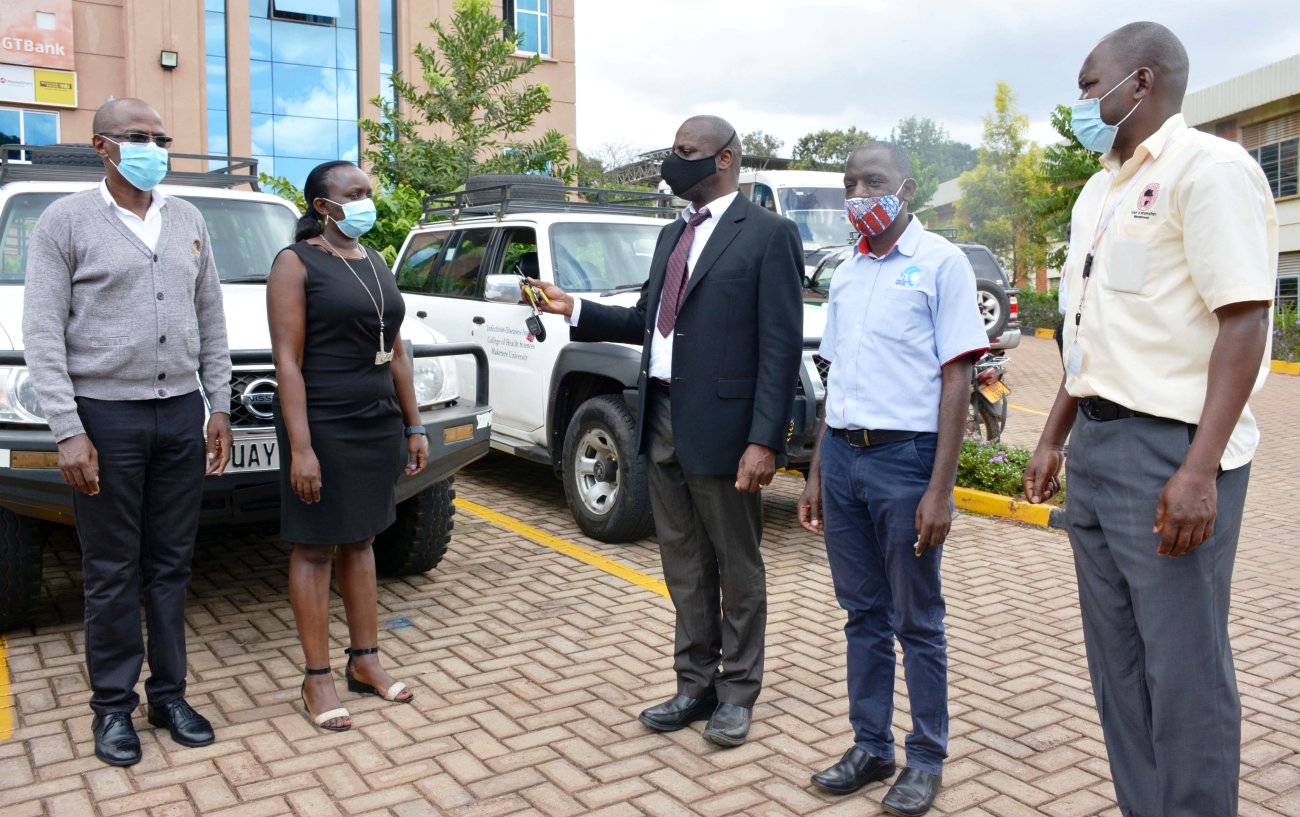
(139, 529)
(709, 535)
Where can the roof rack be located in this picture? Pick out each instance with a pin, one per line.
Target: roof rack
(542, 197)
(80, 163)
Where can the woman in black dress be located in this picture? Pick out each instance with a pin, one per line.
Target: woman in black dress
(347, 422)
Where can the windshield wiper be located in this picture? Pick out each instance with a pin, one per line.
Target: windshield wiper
(245, 279)
(620, 288)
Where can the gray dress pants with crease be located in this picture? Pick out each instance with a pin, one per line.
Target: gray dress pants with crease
(709, 536)
(1156, 628)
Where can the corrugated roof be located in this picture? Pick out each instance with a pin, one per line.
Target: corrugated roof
(1259, 87)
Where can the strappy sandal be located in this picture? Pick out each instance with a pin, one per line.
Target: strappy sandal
(322, 720)
(391, 694)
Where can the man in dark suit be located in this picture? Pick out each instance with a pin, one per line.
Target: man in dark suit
(720, 319)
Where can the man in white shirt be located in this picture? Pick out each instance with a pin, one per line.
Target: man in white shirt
(1171, 269)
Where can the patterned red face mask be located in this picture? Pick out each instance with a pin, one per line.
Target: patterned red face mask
(872, 215)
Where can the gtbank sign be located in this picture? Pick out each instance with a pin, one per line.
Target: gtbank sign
(37, 33)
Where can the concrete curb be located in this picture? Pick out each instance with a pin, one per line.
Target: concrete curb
(1050, 334)
(986, 504)
(1283, 367)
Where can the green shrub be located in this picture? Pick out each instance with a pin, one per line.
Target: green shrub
(996, 468)
(1037, 310)
(1286, 335)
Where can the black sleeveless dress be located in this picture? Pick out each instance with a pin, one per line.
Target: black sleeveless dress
(352, 409)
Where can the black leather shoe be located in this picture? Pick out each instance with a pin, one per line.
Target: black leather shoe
(677, 712)
(912, 793)
(188, 727)
(856, 769)
(729, 725)
(116, 742)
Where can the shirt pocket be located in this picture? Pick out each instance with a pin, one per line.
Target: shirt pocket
(1126, 266)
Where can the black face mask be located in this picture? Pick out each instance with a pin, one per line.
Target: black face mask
(683, 174)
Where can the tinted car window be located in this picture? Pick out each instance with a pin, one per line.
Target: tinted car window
(416, 270)
(459, 273)
(985, 265)
(593, 257)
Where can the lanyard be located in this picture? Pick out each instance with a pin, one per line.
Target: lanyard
(1104, 217)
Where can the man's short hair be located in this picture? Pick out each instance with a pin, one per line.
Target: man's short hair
(898, 155)
(1155, 47)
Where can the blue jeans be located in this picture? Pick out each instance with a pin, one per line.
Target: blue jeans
(869, 501)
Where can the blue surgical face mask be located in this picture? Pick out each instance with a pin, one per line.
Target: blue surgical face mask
(358, 217)
(1090, 129)
(144, 166)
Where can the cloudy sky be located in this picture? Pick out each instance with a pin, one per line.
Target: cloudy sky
(789, 67)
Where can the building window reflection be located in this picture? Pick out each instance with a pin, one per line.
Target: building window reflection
(23, 127)
(214, 24)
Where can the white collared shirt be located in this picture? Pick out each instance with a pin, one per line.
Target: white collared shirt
(661, 348)
(147, 229)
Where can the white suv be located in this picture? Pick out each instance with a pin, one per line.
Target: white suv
(556, 402)
(248, 228)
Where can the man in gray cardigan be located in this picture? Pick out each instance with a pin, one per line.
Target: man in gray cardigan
(122, 309)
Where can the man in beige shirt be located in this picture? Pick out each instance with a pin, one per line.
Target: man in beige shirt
(1171, 272)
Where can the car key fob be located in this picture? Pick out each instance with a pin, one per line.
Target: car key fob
(535, 327)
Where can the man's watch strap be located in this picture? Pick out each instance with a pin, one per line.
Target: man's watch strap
(411, 431)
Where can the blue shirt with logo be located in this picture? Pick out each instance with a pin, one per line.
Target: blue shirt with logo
(893, 324)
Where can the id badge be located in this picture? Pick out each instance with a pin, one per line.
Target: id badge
(1074, 359)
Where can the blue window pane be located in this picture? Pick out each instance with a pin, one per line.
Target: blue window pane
(526, 5)
(295, 170)
(40, 128)
(259, 8)
(386, 87)
(348, 109)
(259, 39)
(544, 6)
(265, 164)
(214, 27)
(263, 132)
(385, 54)
(218, 144)
(349, 144)
(214, 5)
(305, 91)
(545, 49)
(347, 39)
(300, 137)
(347, 14)
(261, 99)
(319, 8)
(216, 83)
(526, 24)
(11, 127)
(386, 16)
(303, 43)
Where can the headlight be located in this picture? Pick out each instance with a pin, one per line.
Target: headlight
(18, 403)
(435, 381)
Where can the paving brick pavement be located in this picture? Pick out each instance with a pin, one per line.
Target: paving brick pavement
(530, 668)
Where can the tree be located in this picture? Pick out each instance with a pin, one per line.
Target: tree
(827, 149)
(762, 145)
(929, 144)
(1064, 169)
(994, 192)
(472, 89)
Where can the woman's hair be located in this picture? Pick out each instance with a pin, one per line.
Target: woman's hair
(310, 224)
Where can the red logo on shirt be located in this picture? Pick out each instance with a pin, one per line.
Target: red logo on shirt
(1149, 195)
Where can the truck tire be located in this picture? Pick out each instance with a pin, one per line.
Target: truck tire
(539, 188)
(995, 306)
(75, 155)
(605, 479)
(21, 540)
(418, 539)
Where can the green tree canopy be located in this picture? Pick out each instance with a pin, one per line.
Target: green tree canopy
(932, 148)
(1065, 167)
(760, 144)
(827, 149)
(472, 94)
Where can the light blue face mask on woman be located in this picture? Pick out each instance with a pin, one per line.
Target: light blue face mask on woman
(358, 217)
(1089, 128)
(144, 166)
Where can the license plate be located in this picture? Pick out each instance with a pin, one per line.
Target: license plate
(995, 391)
(254, 454)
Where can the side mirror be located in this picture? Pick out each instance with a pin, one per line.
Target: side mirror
(503, 289)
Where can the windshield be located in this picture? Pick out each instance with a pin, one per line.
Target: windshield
(597, 257)
(819, 213)
(246, 235)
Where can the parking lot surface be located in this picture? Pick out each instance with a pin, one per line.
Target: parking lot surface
(530, 661)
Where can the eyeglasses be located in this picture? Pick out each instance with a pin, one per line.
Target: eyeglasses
(136, 138)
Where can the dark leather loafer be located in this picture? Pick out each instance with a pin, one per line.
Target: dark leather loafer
(912, 793)
(678, 712)
(856, 769)
(729, 725)
(116, 742)
(188, 727)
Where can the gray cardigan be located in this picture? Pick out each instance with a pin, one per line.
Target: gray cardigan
(106, 318)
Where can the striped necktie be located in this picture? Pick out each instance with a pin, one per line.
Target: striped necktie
(676, 276)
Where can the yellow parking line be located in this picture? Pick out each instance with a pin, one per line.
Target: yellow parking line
(1028, 410)
(6, 703)
(541, 537)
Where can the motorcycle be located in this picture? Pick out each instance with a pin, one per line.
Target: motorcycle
(988, 397)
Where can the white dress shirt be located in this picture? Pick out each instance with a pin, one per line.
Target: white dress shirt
(147, 229)
(661, 348)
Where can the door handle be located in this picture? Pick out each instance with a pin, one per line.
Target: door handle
(480, 320)
(421, 314)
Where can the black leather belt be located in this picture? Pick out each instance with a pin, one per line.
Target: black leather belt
(1101, 410)
(664, 385)
(865, 438)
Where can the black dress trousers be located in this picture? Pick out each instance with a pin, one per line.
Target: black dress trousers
(139, 529)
